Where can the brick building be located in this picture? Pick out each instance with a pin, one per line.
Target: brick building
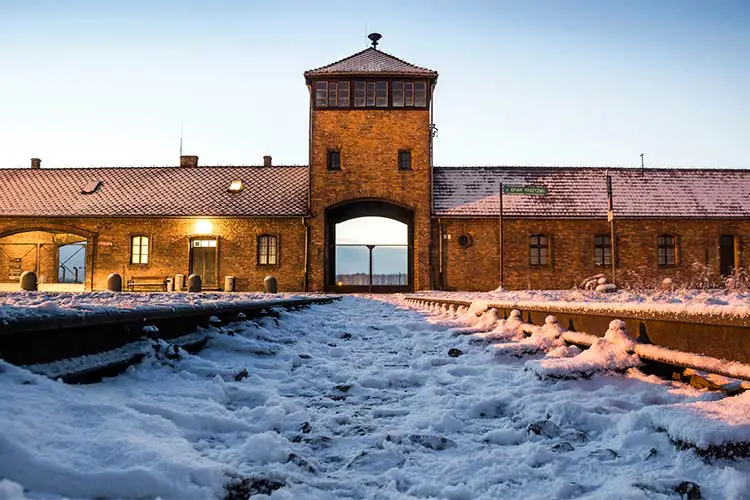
(371, 133)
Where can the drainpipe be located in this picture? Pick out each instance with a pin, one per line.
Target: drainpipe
(307, 252)
(440, 254)
(92, 251)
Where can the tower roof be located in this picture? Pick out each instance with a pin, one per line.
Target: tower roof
(371, 61)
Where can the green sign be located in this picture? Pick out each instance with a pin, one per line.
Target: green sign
(536, 190)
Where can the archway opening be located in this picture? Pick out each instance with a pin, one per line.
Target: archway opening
(369, 247)
(59, 259)
(372, 251)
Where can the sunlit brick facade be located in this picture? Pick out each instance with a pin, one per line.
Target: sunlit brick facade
(370, 154)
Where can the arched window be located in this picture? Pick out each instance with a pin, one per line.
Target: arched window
(666, 250)
(139, 249)
(268, 250)
(539, 250)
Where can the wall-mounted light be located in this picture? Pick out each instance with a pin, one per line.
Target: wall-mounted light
(203, 226)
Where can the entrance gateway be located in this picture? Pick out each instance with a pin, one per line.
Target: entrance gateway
(369, 266)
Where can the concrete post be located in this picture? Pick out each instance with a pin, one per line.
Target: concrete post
(269, 283)
(114, 282)
(228, 283)
(28, 281)
(179, 282)
(194, 283)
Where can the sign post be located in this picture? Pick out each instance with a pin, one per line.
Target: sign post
(611, 219)
(502, 263)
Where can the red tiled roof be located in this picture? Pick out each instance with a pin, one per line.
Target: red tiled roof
(582, 192)
(371, 61)
(163, 191)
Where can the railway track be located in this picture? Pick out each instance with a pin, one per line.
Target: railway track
(104, 342)
(697, 347)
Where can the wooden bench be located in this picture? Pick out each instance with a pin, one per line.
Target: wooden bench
(147, 284)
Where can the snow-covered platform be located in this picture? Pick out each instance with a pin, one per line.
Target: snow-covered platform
(37, 328)
(716, 329)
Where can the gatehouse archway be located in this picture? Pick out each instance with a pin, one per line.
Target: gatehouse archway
(369, 247)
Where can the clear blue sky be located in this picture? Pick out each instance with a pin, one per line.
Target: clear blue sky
(521, 82)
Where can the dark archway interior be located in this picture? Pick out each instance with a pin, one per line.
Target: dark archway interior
(366, 208)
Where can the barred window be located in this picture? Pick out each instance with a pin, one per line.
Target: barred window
(404, 159)
(334, 159)
(139, 249)
(538, 250)
(666, 249)
(602, 250)
(268, 250)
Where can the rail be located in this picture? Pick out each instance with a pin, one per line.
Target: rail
(33, 340)
(710, 343)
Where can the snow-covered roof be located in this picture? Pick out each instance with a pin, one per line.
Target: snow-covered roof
(159, 191)
(371, 61)
(575, 192)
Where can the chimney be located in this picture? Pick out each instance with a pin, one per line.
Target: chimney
(36, 163)
(266, 161)
(188, 161)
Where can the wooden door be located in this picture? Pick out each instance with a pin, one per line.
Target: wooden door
(203, 262)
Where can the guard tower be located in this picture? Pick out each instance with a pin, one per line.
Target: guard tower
(370, 155)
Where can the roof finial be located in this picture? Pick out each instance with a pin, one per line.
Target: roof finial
(374, 37)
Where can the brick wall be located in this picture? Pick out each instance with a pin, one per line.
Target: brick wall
(369, 141)
(169, 247)
(477, 266)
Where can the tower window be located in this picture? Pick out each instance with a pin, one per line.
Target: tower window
(321, 94)
(381, 92)
(602, 250)
(403, 94)
(334, 159)
(404, 159)
(420, 94)
(343, 94)
(359, 94)
(333, 94)
(371, 93)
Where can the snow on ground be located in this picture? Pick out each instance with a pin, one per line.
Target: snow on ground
(43, 305)
(715, 303)
(358, 399)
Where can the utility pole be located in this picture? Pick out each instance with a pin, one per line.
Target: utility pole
(611, 219)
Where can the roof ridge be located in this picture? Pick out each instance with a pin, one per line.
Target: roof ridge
(572, 167)
(368, 50)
